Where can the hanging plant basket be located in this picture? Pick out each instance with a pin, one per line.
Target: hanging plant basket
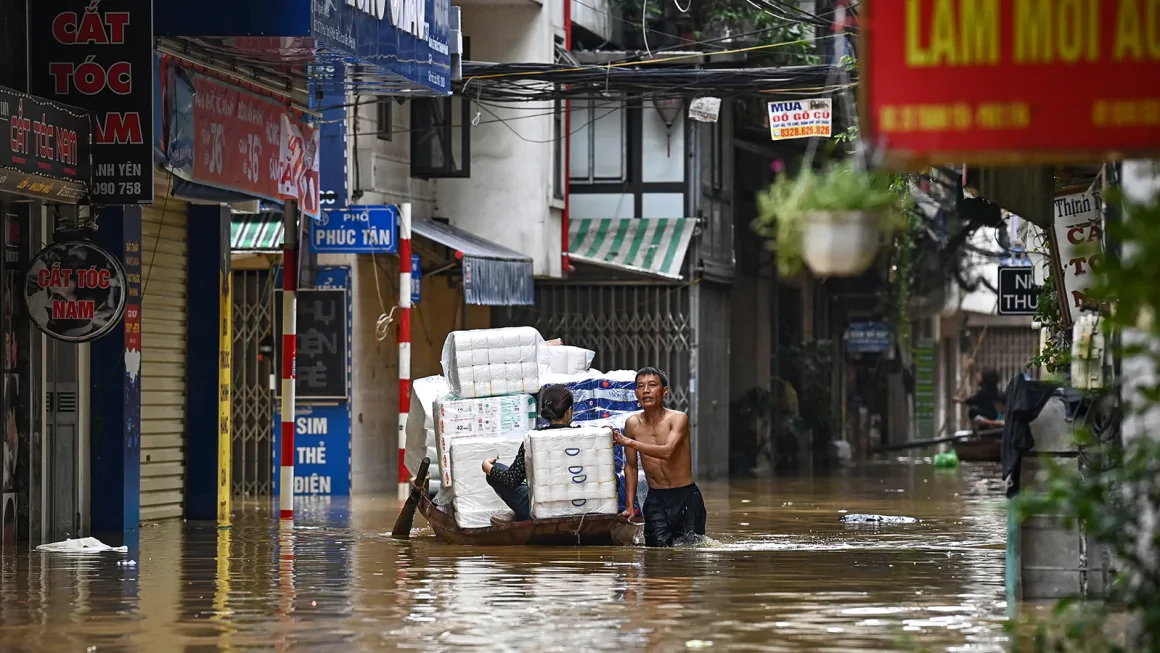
(840, 243)
(832, 220)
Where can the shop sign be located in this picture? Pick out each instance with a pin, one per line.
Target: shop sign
(868, 337)
(800, 119)
(1018, 294)
(416, 277)
(410, 38)
(227, 137)
(75, 291)
(98, 55)
(356, 230)
(321, 450)
(45, 148)
(1077, 246)
(1009, 81)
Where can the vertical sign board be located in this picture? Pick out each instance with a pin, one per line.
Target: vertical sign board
(99, 56)
(225, 379)
(998, 81)
(924, 389)
(1077, 246)
(322, 465)
(15, 402)
(416, 277)
(1018, 294)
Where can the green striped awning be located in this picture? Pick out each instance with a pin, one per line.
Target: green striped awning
(647, 245)
(260, 232)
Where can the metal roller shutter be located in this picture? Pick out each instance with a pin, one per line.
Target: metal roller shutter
(163, 351)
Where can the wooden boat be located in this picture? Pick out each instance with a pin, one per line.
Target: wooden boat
(588, 530)
(985, 447)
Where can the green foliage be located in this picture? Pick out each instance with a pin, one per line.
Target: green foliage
(841, 186)
(1117, 492)
(1055, 356)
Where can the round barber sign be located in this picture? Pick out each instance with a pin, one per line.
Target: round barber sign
(75, 291)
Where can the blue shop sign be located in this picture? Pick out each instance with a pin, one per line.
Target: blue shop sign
(868, 337)
(416, 278)
(321, 450)
(356, 230)
(397, 45)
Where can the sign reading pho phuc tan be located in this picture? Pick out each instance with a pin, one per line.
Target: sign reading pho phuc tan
(1010, 81)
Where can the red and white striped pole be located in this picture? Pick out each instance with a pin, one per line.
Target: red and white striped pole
(404, 342)
(289, 352)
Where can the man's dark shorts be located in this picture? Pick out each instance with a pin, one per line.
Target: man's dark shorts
(673, 514)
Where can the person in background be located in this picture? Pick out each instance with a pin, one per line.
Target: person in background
(982, 403)
(511, 483)
(998, 421)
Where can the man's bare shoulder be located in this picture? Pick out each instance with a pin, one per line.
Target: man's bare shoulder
(631, 424)
(676, 418)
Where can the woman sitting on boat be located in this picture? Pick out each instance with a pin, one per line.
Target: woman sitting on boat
(510, 483)
(982, 403)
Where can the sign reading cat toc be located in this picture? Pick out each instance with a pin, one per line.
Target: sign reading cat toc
(75, 291)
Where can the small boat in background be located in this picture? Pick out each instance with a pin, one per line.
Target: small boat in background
(979, 447)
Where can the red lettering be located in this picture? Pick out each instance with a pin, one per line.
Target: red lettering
(1097, 232)
(91, 29)
(73, 309)
(1075, 234)
(120, 78)
(120, 128)
(1078, 262)
(117, 20)
(64, 28)
(61, 72)
(43, 278)
(89, 77)
(1078, 298)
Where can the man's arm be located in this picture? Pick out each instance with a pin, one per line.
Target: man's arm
(678, 432)
(630, 478)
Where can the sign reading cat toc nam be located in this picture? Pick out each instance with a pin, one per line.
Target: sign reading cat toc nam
(986, 81)
(75, 291)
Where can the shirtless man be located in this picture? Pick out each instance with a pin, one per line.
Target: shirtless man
(673, 509)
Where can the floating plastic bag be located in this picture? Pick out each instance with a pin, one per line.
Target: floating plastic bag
(81, 545)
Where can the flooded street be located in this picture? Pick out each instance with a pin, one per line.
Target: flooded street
(780, 574)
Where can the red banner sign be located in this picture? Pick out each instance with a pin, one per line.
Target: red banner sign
(239, 144)
(1005, 81)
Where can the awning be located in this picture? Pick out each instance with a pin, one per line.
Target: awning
(492, 275)
(654, 246)
(260, 232)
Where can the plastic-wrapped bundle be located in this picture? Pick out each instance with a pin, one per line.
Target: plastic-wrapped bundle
(565, 359)
(493, 362)
(421, 439)
(457, 418)
(474, 500)
(570, 472)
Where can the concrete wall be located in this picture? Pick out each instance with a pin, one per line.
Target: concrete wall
(508, 198)
(384, 167)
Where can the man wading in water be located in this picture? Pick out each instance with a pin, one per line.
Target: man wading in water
(673, 509)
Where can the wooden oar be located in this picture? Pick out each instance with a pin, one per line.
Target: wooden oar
(918, 444)
(402, 530)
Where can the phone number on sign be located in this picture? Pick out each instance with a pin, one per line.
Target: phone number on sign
(794, 132)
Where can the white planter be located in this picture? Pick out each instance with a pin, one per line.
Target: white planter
(840, 244)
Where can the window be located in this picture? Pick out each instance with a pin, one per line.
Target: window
(383, 123)
(441, 134)
(441, 137)
(598, 141)
(558, 137)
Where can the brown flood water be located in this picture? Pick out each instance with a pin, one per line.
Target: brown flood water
(780, 574)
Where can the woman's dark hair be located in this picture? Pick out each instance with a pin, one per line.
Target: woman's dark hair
(990, 382)
(555, 400)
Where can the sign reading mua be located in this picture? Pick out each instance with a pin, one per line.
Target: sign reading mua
(98, 55)
(75, 291)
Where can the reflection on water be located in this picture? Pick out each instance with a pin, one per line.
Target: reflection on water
(779, 573)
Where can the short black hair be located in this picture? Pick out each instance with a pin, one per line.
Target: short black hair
(653, 371)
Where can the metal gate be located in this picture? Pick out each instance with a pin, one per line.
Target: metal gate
(628, 326)
(1007, 350)
(253, 409)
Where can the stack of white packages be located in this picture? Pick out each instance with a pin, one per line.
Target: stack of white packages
(493, 362)
(421, 427)
(474, 500)
(456, 418)
(570, 472)
(565, 359)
